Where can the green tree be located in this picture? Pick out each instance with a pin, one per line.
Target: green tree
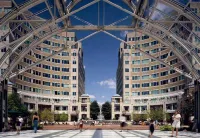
(15, 105)
(94, 110)
(47, 115)
(63, 117)
(106, 110)
(157, 114)
(57, 117)
(136, 117)
(143, 117)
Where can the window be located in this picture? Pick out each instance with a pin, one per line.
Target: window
(74, 62)
(126, 70)
(36, 73)
(155, 50)
(145, 69)
(164, 91)
(65, 69)
(173, 89)
(36, 81)
(155, 92)
(145, 77)
(136, 62)
(55, 84)
(126, 93)
(27, 79)
(74, 54)
(74, 69)
(55, 60)
(3, 49)
(74, 93)
(145, 84)
(126, 62)
(164, 73)
(46, 83)
(126, 85)
(65, 93)
(126, 77)
(163, 82)
(46, 66)
(171, 53)
(56, 68)
(174, 79)
(182, 77)
(145, 93)
(162, 66)
(136, 54)
(74, 85)
(135, 85)
(46, 75)
(56, 76)
(65, 85)
(65, 77)
(154, 83)
(135, 93)
(64, 108)
(65, 54)
(135, 69)
(126, 54)
(135, 77)
(65, 61)
(172, 71)
(145, 61)
(154, 43)
(46, 50)
(164, 56)
(74, 77)
(155, 67)
(57, 92)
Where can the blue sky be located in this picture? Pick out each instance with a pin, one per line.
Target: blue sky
(101, 51)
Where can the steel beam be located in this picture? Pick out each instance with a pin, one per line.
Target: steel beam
(46, 58)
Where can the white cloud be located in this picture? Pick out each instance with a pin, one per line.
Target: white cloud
(92, 96)
(84, 67)
(123, 33)
(102, 96)
(111, 83)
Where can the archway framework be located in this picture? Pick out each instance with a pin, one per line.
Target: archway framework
(175, 32)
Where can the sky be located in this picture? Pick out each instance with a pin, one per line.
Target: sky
(101, 52)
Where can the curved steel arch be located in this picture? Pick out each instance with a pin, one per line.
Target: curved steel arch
(165, 36)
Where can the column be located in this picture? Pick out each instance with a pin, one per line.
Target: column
(36, 104)
(28, 106)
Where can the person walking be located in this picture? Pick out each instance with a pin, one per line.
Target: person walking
(21, 121)
(176, 123)
(81, 125)
(18, 126)
(151, 128)
(35, 121)
(123, 122)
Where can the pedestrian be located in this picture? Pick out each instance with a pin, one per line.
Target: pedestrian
(151, 128)
(81, 125)
(176, 123)
(122, 122)
(18, 126)
(21, 121)
(35, 121)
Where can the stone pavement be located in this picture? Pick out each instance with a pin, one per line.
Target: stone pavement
(94, 134)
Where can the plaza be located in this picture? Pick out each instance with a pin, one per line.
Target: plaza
(95, 134)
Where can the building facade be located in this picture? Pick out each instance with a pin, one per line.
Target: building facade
(5, 7)
(57, 83)
(144, 84)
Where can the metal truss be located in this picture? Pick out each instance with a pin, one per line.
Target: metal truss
(167, 31)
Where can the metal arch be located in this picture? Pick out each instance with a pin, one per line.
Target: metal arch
(46, 58)
(27, 50)
(40, 28)
(183, 10)
(17, 11)
(167, 32)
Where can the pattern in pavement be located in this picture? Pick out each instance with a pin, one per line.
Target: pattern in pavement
(95, 134)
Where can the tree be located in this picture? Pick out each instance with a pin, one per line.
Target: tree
(63, 117)
(15, 105)
(157, 114)
(106, 110)
(57, 117)
(143, 117)
(136, 117)
(47, 115)
(94, 110)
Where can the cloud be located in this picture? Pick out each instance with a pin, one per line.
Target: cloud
(123, 33)
(102, 96)
(111, 83)
(92, 96)
(84, 67)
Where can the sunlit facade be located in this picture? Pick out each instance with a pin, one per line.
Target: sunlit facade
(143, 83)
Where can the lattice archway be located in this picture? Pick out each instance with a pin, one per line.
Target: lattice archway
(174, 31)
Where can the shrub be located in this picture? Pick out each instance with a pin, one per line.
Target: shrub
(166, 128)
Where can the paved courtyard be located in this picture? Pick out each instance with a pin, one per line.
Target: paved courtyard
(94, 134)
